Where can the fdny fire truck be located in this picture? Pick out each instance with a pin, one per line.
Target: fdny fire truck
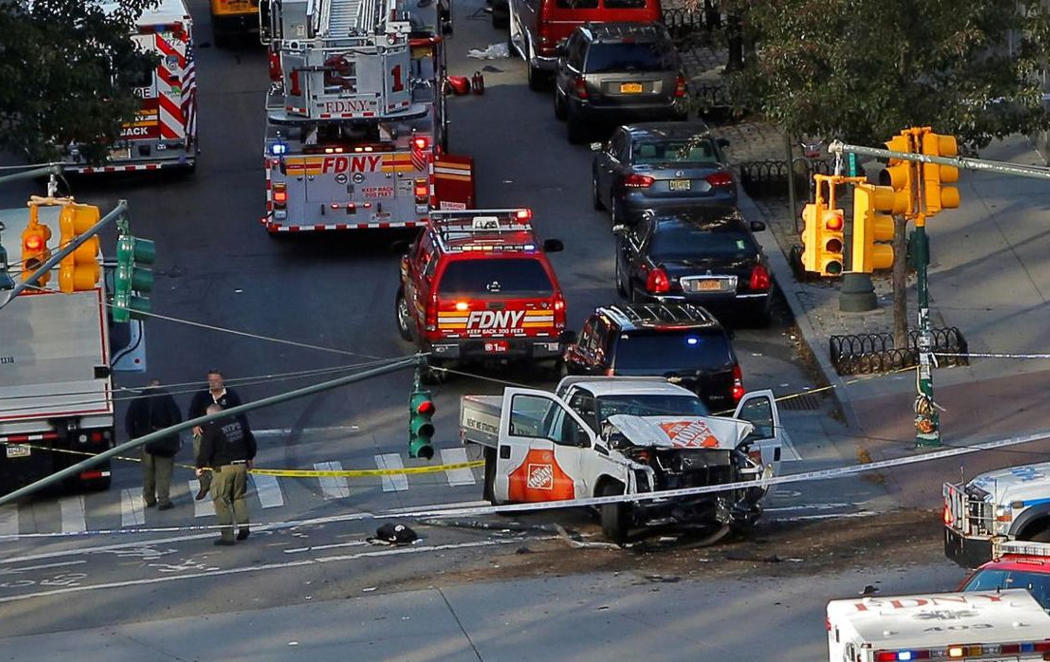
(355, 117)
(163, 133)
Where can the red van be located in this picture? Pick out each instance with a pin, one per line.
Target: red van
(538, 26)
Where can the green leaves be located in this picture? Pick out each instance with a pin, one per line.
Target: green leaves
(861, 70)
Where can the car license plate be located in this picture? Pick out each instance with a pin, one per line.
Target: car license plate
(707, 285)
(681, 184)
(630, 88)
(496, 346)
(18, 450)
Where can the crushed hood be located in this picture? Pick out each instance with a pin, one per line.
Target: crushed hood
(716, 432)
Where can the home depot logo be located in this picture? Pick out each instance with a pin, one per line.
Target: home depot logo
(541, 477)
(690, 434)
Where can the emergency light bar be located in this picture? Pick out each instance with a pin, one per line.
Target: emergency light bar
(961, 651)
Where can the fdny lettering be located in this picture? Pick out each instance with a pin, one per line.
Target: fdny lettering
(339, 164)
(348, 106)
(495, 319)
(911, 603)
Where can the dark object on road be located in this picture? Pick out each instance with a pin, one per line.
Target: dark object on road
(612, 73)
(702, 255)
(658, 165)
(683, 343)
(477, 83)
(869, 590)
(459, 84)
(395, 534)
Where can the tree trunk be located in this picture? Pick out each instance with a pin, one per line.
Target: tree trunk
(900, 282)
(735, 42)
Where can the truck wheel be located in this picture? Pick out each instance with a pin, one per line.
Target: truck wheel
(488, 490)
(615, 517)
(404, 318)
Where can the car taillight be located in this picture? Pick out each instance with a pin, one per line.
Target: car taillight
(610, 372)
(738, 383)
(634, 180)
(679, 87)
(720, 178)
(581, 88)
(559, 310)
(759, 278)
(948, 519)
(280, 195)
(657, 282)
(431, 320)
(422, 190)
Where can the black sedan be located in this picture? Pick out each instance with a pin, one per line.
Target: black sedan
(701, 255)
(654, 165)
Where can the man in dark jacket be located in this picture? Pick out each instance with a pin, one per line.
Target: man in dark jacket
(218, 394)
(155, 410)
(228, 449)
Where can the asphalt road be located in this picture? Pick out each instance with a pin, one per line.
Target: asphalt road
(216, 266)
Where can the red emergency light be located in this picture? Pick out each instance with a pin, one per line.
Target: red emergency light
(421, 142)
(523, 214)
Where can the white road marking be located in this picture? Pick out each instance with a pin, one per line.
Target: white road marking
(287, 432)
(11, 571)
(9, 520)
(204, 507)
(394, 482)
(457, 476)
(390, 551)
(815, 506)
(132, 511)
(269, 490)
(72, 509)
(333, 487)
(806, 518)
(461, 504)
(317, 548)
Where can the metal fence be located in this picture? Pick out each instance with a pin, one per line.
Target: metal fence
(769, 178)
(872, 353)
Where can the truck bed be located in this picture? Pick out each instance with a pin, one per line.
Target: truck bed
(479, 419)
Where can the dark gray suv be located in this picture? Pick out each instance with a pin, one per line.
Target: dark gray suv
(613, 73)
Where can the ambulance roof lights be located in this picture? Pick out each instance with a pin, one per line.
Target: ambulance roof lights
(278, 148)
(523, 214)
(485, 223)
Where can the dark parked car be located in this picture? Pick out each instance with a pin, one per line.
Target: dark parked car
(660, 164)
(682, 342)
(702, 255)
(611, 73)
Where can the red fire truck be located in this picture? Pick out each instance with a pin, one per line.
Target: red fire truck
(355, 118)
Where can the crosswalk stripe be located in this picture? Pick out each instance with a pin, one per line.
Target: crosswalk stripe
(204, 507)
(457, 476)
(9, 519)
(269, 491)
(333, 487)
(396, 482)
(132, 510)
(72, 509)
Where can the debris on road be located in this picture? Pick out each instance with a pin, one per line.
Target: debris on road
(493, 52)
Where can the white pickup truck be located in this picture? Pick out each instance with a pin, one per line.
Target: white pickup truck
(1005, 504)
(601, 436)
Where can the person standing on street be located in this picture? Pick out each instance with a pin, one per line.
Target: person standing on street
(217, 394)
(228, 449)
(155, 410)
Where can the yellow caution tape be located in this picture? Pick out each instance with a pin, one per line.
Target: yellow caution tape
(357, 473)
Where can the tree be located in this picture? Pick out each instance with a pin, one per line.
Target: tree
(862, 70)
(68, 69)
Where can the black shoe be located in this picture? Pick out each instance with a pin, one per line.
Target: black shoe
(243, 534)
(166, 506)
(150, 504)
(201, 493)
(222, 542)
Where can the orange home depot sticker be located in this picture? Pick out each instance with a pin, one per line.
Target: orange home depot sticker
(539, 478)
(690, 434)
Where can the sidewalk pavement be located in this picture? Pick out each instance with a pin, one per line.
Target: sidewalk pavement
(989, 276)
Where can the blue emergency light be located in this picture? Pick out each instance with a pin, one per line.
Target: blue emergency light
(278, 148)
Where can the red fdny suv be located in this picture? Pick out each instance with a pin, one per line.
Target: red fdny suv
(476, 286)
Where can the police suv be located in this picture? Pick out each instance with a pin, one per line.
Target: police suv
(476, 286)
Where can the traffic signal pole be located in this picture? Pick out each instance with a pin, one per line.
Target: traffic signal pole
(927, 417)
(58, 255)
(74, 470)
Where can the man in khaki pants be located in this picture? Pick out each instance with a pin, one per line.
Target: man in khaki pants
(228, 449)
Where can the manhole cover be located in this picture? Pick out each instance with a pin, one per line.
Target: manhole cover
(806, 401)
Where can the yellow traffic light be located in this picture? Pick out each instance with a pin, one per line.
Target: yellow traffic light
(811, 215)
(901, 175)
(871, 227)
(832, 242)
(80, 269)
(34, 248)
(938, 196)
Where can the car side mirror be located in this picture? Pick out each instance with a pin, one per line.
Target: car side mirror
(723, 142)
(553, 246)
(567, 337)
(619, 229)
(757, 226)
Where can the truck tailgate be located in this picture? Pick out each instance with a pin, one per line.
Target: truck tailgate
(479, 419)
(54, 358)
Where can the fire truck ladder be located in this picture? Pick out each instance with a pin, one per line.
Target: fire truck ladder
(358, 17)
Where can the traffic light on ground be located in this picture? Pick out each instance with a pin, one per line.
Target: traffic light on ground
(937, 196)
(132, 279)
(901, 175)
(420, 426)
(35, 251)
(870, 227)
(79, 270)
